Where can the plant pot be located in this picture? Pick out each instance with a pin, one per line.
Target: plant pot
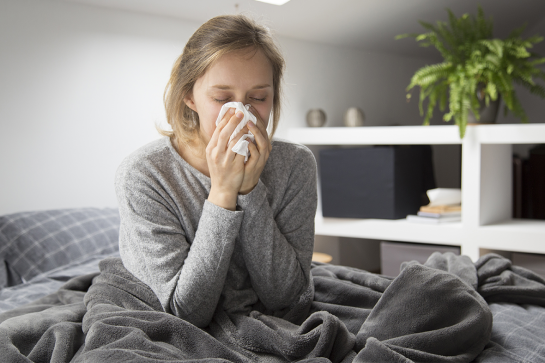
(487, 114)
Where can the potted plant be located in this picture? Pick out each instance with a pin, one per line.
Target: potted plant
(476, 70)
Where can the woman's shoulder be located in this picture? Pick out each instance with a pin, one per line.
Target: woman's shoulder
(155, 149)
(290, 167)
(148, 160)
(290, 155)
(289, 150)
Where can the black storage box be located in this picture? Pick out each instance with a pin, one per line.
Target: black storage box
(393, 254)
(386, 182)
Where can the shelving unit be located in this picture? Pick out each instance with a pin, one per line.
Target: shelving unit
(486, 187)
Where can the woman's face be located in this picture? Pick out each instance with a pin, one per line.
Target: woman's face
(243, 76)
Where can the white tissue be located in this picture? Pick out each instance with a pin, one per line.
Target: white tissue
(241, 147)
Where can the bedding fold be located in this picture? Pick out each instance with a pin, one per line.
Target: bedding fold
(434, 312)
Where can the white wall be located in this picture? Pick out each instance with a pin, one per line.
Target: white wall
(335, 78)
(81, 87)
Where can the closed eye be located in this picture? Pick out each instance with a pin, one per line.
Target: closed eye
(221, 101)
(227, 99)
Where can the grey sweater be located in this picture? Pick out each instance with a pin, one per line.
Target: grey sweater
(195, 255)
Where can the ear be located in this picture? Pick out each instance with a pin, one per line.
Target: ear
(190, 102)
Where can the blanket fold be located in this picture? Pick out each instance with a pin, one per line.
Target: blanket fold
(434, 312)
(500, 281)
(47, 330)
(444, 321)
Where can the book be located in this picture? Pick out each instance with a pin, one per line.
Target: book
(536, 179)
(420, 219)
(446, 208)
(439, 215)
(517, 186)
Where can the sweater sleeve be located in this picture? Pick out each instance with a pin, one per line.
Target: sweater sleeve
(187, 278)
(277, 247)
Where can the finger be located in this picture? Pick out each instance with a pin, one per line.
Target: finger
(244, 130)
(263, 142)
(254, 155)
(260, 123)
(215, 136)
(227, 117)
(239, 159)
(227, 131)
(238, 136)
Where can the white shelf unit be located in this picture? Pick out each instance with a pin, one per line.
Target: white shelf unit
(486, 187)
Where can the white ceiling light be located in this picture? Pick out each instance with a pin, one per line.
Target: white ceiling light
(275, 2)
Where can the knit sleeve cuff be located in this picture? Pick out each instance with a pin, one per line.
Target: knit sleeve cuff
(254, 198)
(219, 217)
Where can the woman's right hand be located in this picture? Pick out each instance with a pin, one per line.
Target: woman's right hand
(225, 166)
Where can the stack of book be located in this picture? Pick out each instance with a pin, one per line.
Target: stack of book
(445, 206)
(437, 214)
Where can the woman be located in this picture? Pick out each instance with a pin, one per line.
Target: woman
(202, 228)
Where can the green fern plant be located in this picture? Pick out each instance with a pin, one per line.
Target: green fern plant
(474, 65)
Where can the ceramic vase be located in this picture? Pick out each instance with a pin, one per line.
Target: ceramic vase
(354, 117)
(316, 117)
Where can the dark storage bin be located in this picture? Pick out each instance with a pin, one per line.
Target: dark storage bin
(393, 254)
(530, 261)
(387, 182)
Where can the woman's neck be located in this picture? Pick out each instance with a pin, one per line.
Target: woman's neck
(194, 153)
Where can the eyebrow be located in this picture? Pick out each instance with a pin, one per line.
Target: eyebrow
(225, 87)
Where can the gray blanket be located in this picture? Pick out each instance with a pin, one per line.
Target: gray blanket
(436, 312)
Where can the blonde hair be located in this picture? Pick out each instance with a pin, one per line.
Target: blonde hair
(216, 37)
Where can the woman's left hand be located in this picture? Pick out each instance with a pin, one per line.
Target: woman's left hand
(259, 153)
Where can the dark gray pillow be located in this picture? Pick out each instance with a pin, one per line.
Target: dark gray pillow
(36, 242)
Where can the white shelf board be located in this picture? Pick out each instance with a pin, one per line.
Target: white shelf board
(508, 133)
(391, 230)
(418, 135)
(517, 235)
(512, 235)
(383, 135)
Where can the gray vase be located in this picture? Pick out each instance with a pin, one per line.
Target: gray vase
(354, 117)
(316, 118)
(487, 114)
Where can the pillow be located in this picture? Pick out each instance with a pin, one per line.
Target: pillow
(36, 242)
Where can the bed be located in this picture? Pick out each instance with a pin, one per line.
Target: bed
(66, 297)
